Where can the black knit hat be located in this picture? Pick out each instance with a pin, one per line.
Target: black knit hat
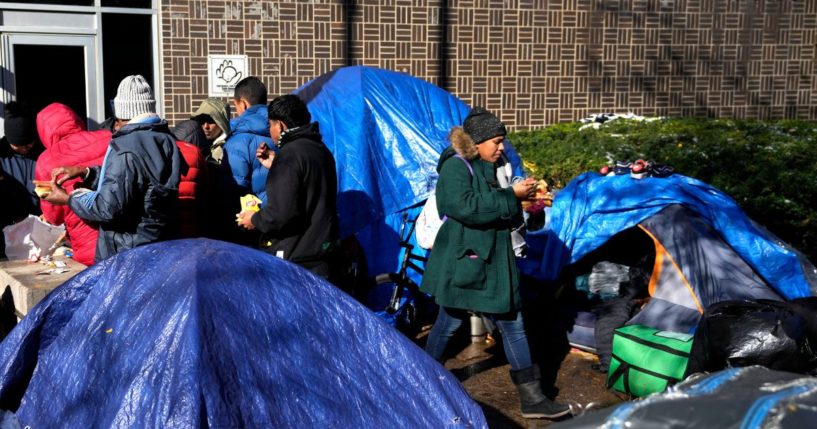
(19, 130)
(482, 125)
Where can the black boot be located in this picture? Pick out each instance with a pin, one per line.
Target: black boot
(534, 403)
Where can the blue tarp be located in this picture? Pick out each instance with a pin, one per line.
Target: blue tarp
(386, 130)
(592, 208)
(201, 333)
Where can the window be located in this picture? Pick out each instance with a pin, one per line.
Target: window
(40, 86)
(127, 47)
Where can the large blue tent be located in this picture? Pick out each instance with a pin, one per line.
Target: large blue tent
(201, 333)
(386, 130)
(592, 208)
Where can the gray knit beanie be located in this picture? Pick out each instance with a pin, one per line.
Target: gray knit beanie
(482, 125)
(133, 98)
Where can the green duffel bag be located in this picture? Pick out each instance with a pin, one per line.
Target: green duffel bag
(646, 360)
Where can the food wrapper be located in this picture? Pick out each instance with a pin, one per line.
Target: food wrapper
(250, 202)
(543, 198)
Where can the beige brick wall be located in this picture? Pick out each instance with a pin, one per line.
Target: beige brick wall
(533, 62)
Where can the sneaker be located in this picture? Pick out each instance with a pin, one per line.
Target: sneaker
(661, 170)
(639, 169)
(621, 168)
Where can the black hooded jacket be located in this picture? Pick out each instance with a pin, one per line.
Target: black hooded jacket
(16, 174)
(135, 200)
(299, 221)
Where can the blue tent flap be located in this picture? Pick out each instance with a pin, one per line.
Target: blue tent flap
(592, 208)
(166, 336)
(386, 130)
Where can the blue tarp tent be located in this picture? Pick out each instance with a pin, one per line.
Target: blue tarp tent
(165, 336)
(386, 130)
(593, 208)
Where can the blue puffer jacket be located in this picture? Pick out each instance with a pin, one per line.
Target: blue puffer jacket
(136, 194)
(248, 131)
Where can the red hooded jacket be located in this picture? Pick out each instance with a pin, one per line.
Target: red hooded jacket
(67, 143)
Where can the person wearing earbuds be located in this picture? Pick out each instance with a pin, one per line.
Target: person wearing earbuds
(299, 223)
(472, 265)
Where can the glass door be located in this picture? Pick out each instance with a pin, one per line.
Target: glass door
(39, 69)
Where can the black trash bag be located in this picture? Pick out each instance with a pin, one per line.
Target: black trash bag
(807, 309)
(774, 334)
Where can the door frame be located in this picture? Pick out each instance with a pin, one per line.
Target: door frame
(93, 85)
(19, 17)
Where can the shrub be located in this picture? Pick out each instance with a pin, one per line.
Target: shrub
(769, 168)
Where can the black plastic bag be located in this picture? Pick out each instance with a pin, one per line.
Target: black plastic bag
(774, 334)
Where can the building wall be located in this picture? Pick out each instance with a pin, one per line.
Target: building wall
(533, 62)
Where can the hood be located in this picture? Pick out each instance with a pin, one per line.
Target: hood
(253, 121)
(218, 110)
(189, 131)
(461, 144)
(155, 153)
(56, 122)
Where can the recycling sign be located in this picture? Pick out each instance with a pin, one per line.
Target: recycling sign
(224, 72)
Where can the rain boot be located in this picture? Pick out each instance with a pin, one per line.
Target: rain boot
(534, 403)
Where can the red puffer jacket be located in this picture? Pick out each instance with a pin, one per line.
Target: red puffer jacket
(191, 191)
(67, 143)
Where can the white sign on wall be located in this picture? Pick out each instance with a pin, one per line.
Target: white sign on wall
(224, 72)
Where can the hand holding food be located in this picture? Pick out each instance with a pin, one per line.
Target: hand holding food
(264, 155)
(542, 197)
(250, 204)
(524, 189)
(51, 192)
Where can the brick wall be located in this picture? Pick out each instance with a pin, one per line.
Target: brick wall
(533, 62)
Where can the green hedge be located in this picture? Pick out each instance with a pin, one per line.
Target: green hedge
(769, 168)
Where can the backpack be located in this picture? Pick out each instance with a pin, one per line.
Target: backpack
(429, 221)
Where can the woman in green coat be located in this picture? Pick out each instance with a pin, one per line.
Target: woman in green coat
(472, 264)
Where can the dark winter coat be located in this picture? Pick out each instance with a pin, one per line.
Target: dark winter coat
(20, 168)
(189, 131)
(300, 218)
(472, 264)
(135, 200)
(248, 132)
(16, 189)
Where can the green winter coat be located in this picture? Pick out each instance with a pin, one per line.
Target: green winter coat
(472, 264)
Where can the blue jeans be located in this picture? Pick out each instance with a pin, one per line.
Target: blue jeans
(514, 340)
